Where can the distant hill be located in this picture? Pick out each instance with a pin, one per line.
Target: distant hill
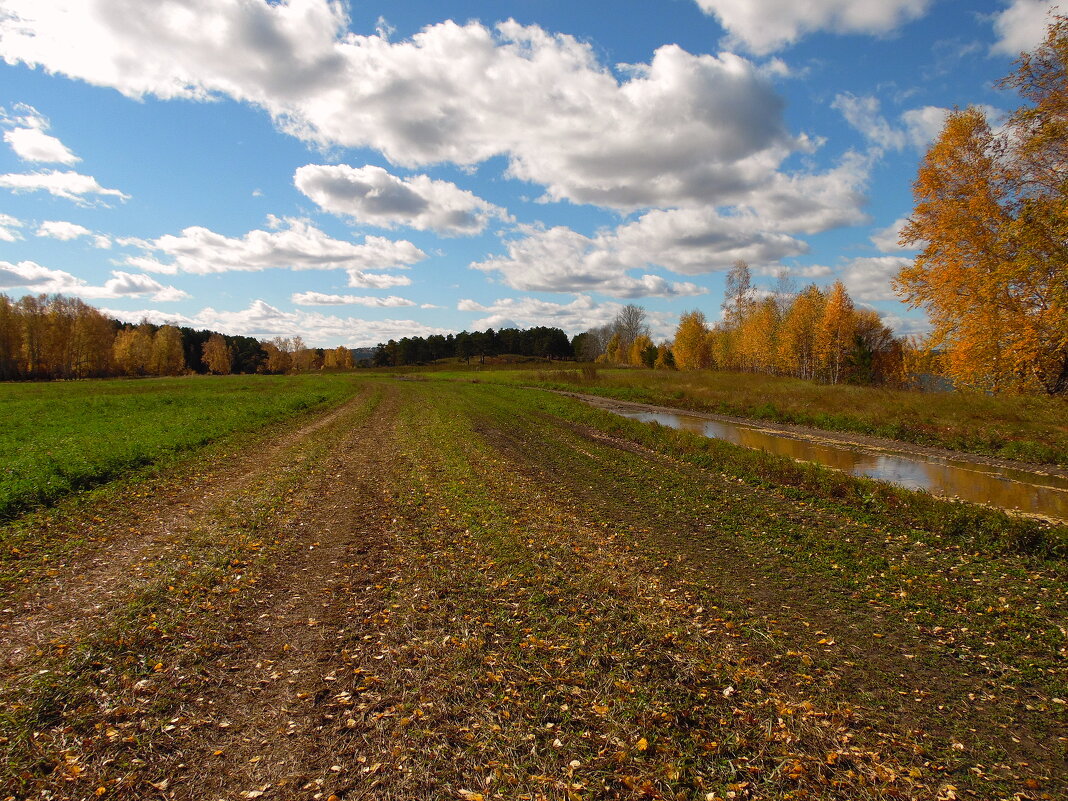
(361, 353)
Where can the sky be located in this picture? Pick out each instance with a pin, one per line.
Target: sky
(355, 172)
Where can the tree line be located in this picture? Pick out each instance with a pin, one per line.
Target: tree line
(625, 341)
(55, 337)
(814, 334)
(540, 341)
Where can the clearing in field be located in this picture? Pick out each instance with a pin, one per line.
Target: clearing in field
(462, 590)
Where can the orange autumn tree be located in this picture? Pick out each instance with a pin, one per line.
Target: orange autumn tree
(691, 342)
(992, 217)
(217, 356)
(1039, 275)
(797, 339)
(168, 358)
(835, 335)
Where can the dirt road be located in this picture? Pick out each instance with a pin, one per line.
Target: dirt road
(458, 591)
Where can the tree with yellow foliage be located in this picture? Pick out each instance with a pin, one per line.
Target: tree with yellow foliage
(691, 348)
(758, 334)
(132, 350)
(992, 217)
(834, 339)
(168, 357)
(339, 358)
(218, 356)
(642, 352)
(799, 332)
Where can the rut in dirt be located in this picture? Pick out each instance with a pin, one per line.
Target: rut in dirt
(130, 537)
(260, 722)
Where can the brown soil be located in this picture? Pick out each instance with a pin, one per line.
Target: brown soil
(267, 723)
(86, 585)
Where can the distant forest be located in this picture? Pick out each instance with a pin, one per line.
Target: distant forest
(541, 342)
(54, 337)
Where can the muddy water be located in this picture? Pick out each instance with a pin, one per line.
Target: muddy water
(1029, 492)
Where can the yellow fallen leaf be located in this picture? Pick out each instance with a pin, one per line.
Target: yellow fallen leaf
(469, 795)
(642, 744)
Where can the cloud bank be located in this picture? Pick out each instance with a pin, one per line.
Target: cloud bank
(263, 321)
(32, 277)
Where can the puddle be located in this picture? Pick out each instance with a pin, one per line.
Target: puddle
(1022, 490)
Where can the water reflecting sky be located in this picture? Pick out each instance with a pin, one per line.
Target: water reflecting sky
(1004, 487)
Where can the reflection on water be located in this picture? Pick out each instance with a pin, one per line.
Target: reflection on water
(1004, 487)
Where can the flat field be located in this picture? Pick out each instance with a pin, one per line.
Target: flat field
(455, 590)
(1026, 428)
(61, 437)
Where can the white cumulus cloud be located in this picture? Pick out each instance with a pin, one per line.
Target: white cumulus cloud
(687, 241)
(33, 277)
(682, 128)
(1021, 26)
(296, 245)
(68, 185)
(767, 25)
(923, 125)
(916, 127)
(62, 230)
(562, 260)
(370, 195)
(264, 321)
(868, 278)
(8, 228)
(27, 137)
(33, 144)
(323, 299)
(886, 239)
(364, 280)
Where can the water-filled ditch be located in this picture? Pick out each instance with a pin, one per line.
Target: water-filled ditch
(1009, 488)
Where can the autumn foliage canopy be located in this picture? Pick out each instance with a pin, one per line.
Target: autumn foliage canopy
(992, 218)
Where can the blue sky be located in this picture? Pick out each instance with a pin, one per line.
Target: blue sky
(355, 172)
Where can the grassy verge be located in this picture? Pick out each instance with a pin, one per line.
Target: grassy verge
(976, 527)
(1031, 429)
(59, 438)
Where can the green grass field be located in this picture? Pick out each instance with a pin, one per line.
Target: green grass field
(65, 436)
(1027, 428)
